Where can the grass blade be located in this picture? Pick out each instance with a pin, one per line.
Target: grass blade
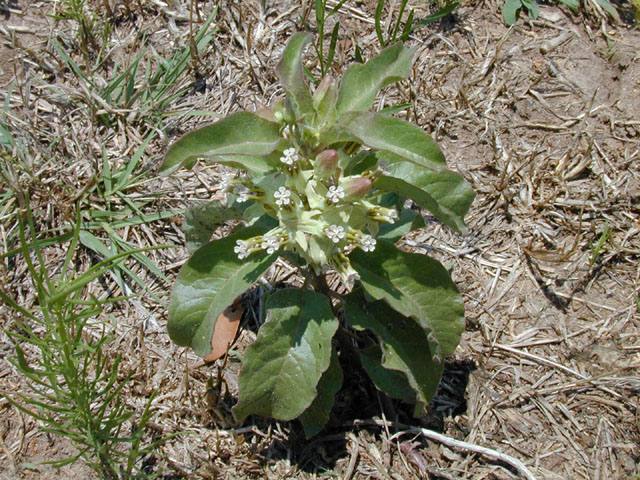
(378, 23)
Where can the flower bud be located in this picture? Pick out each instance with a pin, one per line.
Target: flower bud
(357, 187)
(340, 262)
(326, 163)
(384, 215)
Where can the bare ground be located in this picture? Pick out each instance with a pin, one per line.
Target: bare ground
(541, 119)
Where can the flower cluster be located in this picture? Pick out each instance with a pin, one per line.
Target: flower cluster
(270, 242)
(365, 242)
(243, 193)
(322, 213)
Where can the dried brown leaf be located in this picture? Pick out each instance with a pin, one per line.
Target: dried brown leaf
(224, 331)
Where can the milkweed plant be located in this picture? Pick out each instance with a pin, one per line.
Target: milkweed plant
(329, 186)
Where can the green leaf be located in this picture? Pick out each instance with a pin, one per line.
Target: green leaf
(315, 417)
(445, 194)
(439, 15)
(256, 165)
(510, 11)
(242, 133)
(396, 27)
(282, 368)
(573, 4)
(335, 136)
(448, 188)
(361, 161)
(207, 284)
(200, 221)
(333, 42)
(92, 242)
(394, 109)
(532, 8)
(22, 362)
(409, 220)
(395, 136)
(422, 198)
(415, 286)
(609, 8)
(324, 103)
(392, 382)
(406, 30)
(361, 83)
(378, 22)
(5, 137)
(291, 74)
(405, 348)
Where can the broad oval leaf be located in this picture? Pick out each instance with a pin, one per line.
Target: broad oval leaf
(256, 165)
(394, 383)
(532, 7)
(421, 197)
(242, 133)
(315, 417)
(415, 286)
(510, 11)
(282, 368)
(361, 83)
(291, 74)
(405, 348)
(408, 221)
(395, 136)
(334, 136)
(449, 189)
(444, 193)
(207, 284)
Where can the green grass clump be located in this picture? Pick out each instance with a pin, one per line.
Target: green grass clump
(75, 387)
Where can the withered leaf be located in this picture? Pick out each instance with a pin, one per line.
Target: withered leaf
(224, 331)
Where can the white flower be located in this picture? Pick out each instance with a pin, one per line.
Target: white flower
(270, 244)
(368, 243)
(335, 194)
(335, 233)
(226, 182)
(243, 192)
(241, 249)
(290, 156)
(283, 197)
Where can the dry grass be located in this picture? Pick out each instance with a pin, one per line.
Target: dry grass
(541, 119)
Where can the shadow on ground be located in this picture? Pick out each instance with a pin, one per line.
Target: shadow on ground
(360, 406)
